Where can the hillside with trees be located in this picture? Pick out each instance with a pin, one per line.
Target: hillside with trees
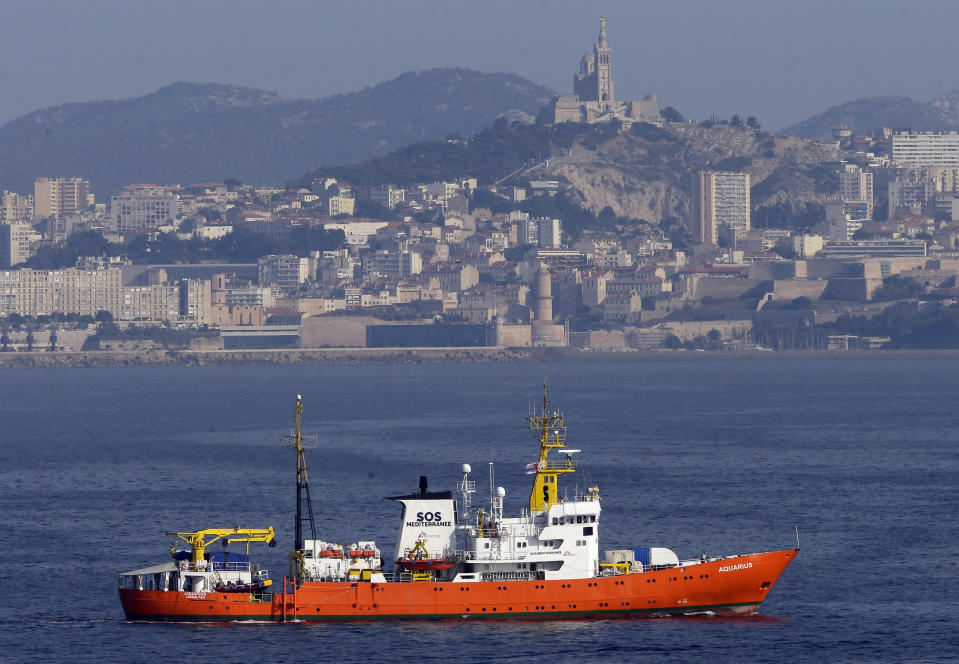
(190, 132)
(643, 173)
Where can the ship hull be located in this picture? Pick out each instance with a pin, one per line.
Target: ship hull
(733, 586)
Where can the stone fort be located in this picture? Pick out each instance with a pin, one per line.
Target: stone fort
(593, 98)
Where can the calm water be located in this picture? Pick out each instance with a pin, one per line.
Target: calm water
(728, 458)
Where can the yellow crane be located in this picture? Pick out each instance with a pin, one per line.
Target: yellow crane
(198, 540)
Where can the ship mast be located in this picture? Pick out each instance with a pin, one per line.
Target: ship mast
(552, 435)
(300, 443)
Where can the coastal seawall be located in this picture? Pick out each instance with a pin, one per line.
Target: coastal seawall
(321, 356)
(306, 356)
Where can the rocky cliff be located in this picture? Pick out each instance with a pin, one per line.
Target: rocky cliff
(646, 173)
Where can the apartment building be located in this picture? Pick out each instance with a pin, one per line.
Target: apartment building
(15, 207)
(16, 242)
(387, 195)
(55, 197)
(855, 184)
(926, 149)
(142, 206)
(393, 263)
(283, 270)
(909, 194)
(720, 198)
(85, 292)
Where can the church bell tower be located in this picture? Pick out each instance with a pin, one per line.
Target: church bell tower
(604, 69)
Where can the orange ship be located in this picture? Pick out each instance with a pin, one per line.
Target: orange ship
(453, 561)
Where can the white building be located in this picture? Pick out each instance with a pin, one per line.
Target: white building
(807, 246)
(392, 263)
(855, 184)
(720, 198)
(139, 207)
(442, 190)
(539, 231)
(387, 195)
(87, 291)
(910, 194)
(283, 270)
(337, 205)
(843, 219)
(16, 207)
(875, 248)
(357, 231)
(16, 242)
(926, 149)
(54, 197)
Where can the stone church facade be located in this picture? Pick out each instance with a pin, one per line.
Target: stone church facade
(593, 98)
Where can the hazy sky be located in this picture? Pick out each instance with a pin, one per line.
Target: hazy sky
(779, 61)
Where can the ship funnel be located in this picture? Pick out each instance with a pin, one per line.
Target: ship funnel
(423, 484)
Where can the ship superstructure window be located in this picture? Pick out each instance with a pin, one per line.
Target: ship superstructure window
(587, 530)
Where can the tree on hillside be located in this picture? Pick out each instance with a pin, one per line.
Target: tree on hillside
(753, 123)
(672, 342)
(670, 114)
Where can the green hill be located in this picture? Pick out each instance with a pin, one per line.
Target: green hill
(190, 132)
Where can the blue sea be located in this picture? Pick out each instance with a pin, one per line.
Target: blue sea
(722, 457)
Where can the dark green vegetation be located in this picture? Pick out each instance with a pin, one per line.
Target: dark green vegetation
(936, 328)
(489, 156)
(188, 132)
(796, 216)
(157, 334)
(240, 246)
(867, 114)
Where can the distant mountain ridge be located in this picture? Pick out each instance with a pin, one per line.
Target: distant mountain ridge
(865, 115)
(193, 132)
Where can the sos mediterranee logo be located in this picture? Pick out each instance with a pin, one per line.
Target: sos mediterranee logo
(429, 519)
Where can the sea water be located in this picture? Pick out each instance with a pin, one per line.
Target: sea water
(721, 457)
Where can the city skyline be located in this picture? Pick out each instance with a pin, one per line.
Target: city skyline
(699, 58)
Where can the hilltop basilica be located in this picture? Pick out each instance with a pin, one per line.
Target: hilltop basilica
(593, 99)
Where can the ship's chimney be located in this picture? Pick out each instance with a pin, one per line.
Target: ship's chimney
(423, 484)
